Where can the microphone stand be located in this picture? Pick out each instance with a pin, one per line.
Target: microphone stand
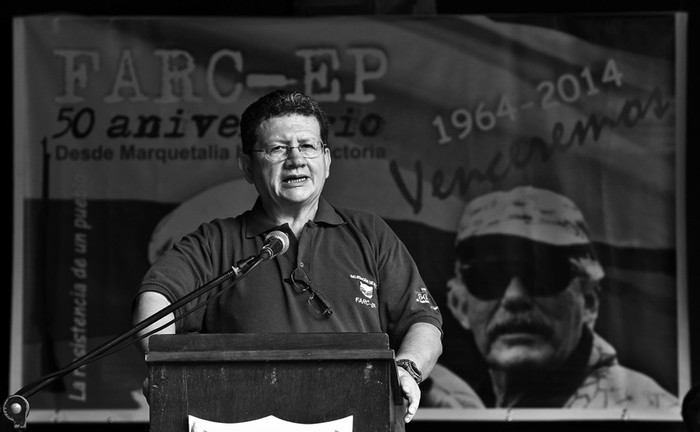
(16, 406)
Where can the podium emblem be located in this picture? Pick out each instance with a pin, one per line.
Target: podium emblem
(269, 424)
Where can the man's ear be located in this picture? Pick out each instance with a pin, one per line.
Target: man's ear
(591, 303)
(327, 155)
(245, 163)
(457, 302)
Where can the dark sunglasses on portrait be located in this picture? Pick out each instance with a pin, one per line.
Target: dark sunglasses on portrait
(316, 301)
(490, 280)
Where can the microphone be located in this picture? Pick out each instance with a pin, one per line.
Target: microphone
(276, 243)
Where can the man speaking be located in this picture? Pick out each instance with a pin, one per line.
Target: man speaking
(344, 270)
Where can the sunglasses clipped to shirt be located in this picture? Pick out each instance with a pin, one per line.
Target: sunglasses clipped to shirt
(316, 301)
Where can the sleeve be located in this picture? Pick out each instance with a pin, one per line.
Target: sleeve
(181, 270)
(404, 296)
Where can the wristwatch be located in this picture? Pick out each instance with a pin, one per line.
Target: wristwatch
(410, 367)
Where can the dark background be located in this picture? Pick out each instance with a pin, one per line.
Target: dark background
(291, 8)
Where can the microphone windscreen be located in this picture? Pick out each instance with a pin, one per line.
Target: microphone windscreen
(281, 244)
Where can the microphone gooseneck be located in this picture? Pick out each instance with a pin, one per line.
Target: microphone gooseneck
(16, 407)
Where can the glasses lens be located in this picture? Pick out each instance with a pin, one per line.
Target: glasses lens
(310, 149)
(277, 152)
(485, 281)
(300, 280)
(549, 281)
(319, 304)
(489, 281)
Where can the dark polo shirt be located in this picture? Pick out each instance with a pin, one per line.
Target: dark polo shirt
(352, 257)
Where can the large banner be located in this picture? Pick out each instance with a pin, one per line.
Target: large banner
(127, 132)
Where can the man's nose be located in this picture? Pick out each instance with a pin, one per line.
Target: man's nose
(295, 155)
(516, 294)
(515, 287)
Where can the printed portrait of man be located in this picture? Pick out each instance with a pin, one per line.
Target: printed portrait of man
(527, 283)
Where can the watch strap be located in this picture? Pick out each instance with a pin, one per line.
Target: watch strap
(410, 367)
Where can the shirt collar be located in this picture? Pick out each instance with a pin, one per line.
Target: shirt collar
(257, 222)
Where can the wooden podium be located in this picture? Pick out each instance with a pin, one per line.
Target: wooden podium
(298, 377)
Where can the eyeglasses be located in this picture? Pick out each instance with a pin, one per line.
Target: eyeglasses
(279, 152)
(489, 280)
(316, 301)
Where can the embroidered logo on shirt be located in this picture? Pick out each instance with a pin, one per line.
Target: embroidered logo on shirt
(423, 296)
(367, 288)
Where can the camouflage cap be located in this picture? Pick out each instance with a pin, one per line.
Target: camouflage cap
(534, 214)
(525, 211)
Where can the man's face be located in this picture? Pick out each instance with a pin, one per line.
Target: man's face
(295, 181)
(519, 330)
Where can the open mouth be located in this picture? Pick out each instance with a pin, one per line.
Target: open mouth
(295, 180)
